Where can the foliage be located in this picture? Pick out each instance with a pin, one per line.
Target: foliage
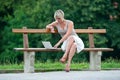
(39, 13)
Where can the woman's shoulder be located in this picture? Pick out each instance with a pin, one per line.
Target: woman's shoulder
(69, 21)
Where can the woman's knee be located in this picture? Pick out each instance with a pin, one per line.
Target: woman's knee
(71, 39)
(74, 46)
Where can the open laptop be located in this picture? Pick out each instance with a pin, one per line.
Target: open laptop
(47, 45)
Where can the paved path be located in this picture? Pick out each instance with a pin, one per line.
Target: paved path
(61, 75)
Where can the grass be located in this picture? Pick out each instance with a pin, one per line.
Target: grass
(107, 64)
(59, 66)
(111, 63)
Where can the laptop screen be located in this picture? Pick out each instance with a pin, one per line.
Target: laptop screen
(47, 45)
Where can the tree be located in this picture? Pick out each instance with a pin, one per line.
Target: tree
(38, 13)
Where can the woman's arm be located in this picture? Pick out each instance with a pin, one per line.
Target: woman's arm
(51, 26)
(69, 31)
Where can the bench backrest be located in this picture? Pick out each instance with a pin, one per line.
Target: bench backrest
(90, 31)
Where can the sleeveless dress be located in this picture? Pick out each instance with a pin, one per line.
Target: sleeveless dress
(78, 41)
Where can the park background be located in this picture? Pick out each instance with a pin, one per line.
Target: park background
(36, 14)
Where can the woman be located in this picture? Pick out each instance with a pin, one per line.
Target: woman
(71, 42)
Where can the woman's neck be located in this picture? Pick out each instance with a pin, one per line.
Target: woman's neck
(62, 22)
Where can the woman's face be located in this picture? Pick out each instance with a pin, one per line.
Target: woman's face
(59, 19)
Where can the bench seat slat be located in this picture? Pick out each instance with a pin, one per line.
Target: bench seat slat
(59, 49)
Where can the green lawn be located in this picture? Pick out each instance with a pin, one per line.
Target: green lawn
(108, 64)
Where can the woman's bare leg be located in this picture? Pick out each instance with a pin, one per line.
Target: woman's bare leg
(71, 53)
(70, 56)
(70, 42)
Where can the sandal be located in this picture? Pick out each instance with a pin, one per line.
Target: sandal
(67, 68)
(62, 60)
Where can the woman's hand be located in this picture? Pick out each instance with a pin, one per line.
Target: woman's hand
(56, 45)
(51, 28)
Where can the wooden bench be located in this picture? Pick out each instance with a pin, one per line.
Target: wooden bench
(29, 53)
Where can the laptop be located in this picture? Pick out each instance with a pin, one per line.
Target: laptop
(47, 45)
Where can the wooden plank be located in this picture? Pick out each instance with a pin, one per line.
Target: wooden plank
(46, 31)
(91, 39)
(59, 49)
(37, 49)
(25, 40)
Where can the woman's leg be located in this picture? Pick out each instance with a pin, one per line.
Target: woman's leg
(71, 53)
(70, 56)
(69, 44)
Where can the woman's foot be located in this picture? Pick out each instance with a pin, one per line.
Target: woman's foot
(67, 68)
(63, 60)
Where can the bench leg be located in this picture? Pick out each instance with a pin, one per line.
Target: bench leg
(95, 60)
(29, 58)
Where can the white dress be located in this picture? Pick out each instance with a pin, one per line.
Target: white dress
(78, 41)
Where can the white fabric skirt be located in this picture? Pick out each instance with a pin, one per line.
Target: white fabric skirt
(78, 41)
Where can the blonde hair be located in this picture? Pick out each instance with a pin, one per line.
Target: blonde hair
(59, 13)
